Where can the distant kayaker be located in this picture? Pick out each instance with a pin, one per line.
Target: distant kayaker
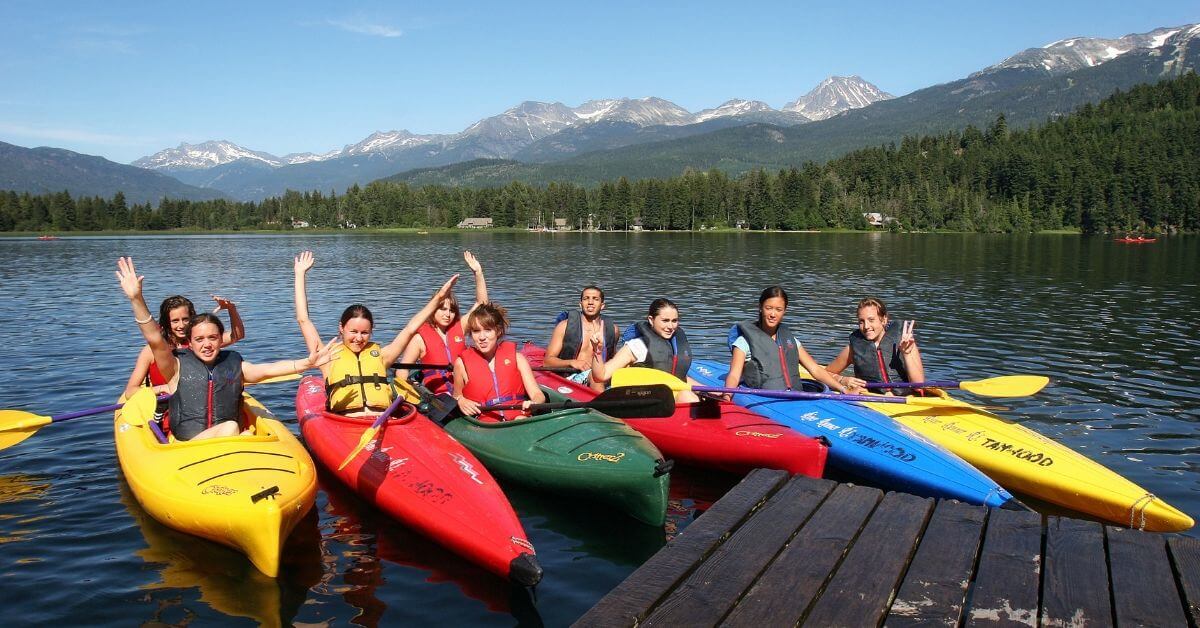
(765, 353)
(442, 338)
(657, 342)
(356, 383)
(493, 371)
(174, 314)
(570, 344)
(204, 380)
(879, 350)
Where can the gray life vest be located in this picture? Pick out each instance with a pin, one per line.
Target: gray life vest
(191, 411)
(573, 338)
(882, 364)
(774, 363)
(671, 356)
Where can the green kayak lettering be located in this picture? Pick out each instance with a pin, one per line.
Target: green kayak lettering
(1020, 453)
(589, 455)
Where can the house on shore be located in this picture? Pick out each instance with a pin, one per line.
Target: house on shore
(475, 223)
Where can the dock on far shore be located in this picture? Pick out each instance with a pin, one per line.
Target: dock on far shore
(780, 551)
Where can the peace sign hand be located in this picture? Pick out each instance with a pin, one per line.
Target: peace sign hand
(908, 343)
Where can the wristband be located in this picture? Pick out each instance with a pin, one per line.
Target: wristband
(149, 317)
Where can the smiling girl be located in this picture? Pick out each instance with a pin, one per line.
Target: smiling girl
(657, 342)
(879, 350)
(492, 371)
(174, 315)
(441, 338)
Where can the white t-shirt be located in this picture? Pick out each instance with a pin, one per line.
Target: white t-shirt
(744, 345)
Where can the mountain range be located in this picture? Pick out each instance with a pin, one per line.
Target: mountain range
(539, 142)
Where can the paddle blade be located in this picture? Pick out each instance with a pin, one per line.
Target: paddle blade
(635, 402)
(367, 435)
(639, 376)
(140, 407)
(1007, 385)
(16, 426)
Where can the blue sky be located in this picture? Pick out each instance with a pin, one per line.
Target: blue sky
(124, 79)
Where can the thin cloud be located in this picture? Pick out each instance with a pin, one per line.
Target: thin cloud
(64, 134)
(363, 26)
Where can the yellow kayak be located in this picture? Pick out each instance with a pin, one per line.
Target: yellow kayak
(247, 492)
(1024, 461)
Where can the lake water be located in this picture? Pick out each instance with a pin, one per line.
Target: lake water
(1114, 325)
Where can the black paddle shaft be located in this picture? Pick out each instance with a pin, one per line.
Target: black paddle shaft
(625, 402)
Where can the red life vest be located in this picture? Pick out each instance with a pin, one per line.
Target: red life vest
(437, 380)
(155, 377)
(501, 385)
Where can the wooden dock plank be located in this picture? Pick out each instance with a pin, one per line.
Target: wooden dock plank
(1185, 558)
(1007, 577)
(935, 587)
(786, 589)
(860, 592)
(706, 596)
(1143, 586)
(631, 600)
(1075, 588)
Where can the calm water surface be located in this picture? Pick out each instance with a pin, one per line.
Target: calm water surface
(1114, 325)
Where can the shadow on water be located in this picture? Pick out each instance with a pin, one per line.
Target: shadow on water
(225, 579)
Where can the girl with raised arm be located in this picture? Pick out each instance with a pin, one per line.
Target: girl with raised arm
(356, 382)
(442, 338)
(204, 380)
(879, 350)
(174, 314)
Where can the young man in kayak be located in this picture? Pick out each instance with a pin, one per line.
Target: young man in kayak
(493, 371)
(570, 344)
(657, 342)
(174, 314)
(356, 383)
(879, 350)
(765, 354)
(441, 339)
(205, 381)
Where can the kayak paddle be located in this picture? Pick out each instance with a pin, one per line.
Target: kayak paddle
(627, 402)
(639, 376)
(369, 434)
(446, 367)
(1003, 386)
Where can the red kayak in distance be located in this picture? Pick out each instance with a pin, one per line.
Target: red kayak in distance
(1137, 240)
(417, 474)
(711, 434)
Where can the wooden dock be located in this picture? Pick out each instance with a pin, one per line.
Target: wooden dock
(776, 551)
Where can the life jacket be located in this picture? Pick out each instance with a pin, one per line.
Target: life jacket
(774, 363)
(672, 356)
(205, 396)
(573, 338)
(499, 382)
(358, 381)
(437, 347)
(878, 364)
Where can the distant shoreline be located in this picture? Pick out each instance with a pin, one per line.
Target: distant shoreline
(446, 230)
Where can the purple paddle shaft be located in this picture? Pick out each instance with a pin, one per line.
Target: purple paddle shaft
(89, 412)
(945, 384)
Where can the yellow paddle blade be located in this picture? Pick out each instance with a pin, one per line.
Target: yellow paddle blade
(639, 376)
(140, 407)
(1006, 386)
(366, 437)
(16, 426)
(279, 378)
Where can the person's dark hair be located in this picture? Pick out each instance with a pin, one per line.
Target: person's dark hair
(872, 301)
(591, 287)
(770, 293)
(205, 317)
(164, 316)
(357, 310)
(657, 306)
(490, 315)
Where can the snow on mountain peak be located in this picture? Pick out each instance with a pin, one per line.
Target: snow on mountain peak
(204, 155)
(1068, 55)
(835, 95)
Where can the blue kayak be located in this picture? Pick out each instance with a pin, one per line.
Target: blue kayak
(870, 445)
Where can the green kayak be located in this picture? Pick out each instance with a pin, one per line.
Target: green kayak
(578, 451)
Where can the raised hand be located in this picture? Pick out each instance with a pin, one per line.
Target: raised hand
(907, 342)
(472, 262)
(131, 282)
(303, 262)
(223, 304)
(325, 354)
(447, 287)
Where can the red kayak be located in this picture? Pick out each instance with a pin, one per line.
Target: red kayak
(712, 434)
(420, 476)
(1137, 240)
